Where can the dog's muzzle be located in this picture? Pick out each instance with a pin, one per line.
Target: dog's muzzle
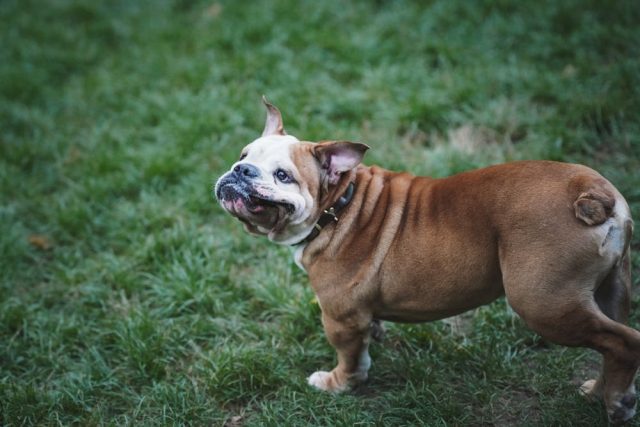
(237, 182)
(236, 191)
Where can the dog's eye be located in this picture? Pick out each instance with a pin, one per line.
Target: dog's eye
(242, 156)
(283, 176)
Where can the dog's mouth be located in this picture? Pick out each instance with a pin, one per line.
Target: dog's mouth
(244, 202)
(259, 203)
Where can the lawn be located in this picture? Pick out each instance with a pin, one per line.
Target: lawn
(128, 297)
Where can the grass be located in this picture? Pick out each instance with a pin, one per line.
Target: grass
(128, 297)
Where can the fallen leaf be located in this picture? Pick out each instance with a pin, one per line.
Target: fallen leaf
(40, 241)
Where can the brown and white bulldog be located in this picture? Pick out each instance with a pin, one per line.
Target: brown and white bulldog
(381, 245)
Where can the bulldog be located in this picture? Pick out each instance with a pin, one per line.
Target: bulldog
(378, 245)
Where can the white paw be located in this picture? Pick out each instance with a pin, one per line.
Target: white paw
(588, 389)
(621, 414)
(623, 409)
(320, 380)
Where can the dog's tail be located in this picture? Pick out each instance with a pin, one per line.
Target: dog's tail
(595, 201)
(595, 198)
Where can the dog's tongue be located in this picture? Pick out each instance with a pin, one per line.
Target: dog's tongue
(234, 205)
(239, 205)
(229, 204)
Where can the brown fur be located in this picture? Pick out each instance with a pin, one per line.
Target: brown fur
(417, 249)
(553, 237)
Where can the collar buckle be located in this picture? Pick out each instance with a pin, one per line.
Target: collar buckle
(329, 215)
(332, 213)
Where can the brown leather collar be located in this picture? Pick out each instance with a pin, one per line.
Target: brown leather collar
(329, 215)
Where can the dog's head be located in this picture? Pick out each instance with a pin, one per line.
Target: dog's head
(280, 185)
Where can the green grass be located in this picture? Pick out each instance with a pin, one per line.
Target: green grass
(128, 297)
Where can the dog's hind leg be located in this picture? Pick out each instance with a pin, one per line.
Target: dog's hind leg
(574, 319)
(620, 347)
(613, 296)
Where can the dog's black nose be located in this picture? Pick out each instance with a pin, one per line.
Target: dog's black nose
(246, 170)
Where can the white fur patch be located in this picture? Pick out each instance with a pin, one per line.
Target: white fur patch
(270, 150)
(297, 256)
(612, 232)
(319, 380)
(269, 154)
(364, 363)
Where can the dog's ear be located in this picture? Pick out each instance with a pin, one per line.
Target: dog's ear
(273, 125)
(337, 157)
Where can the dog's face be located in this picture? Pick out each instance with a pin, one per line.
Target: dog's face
(278, 186)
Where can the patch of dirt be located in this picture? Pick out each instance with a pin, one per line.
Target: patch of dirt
(515, 407)
(588, 369)
(462, 324)
(214, 10)
(471, 139)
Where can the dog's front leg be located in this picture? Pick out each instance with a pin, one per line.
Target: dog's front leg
(351, 339)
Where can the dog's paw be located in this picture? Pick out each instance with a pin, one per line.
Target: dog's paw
(325, 381)
(591, 389)
(623, 410)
